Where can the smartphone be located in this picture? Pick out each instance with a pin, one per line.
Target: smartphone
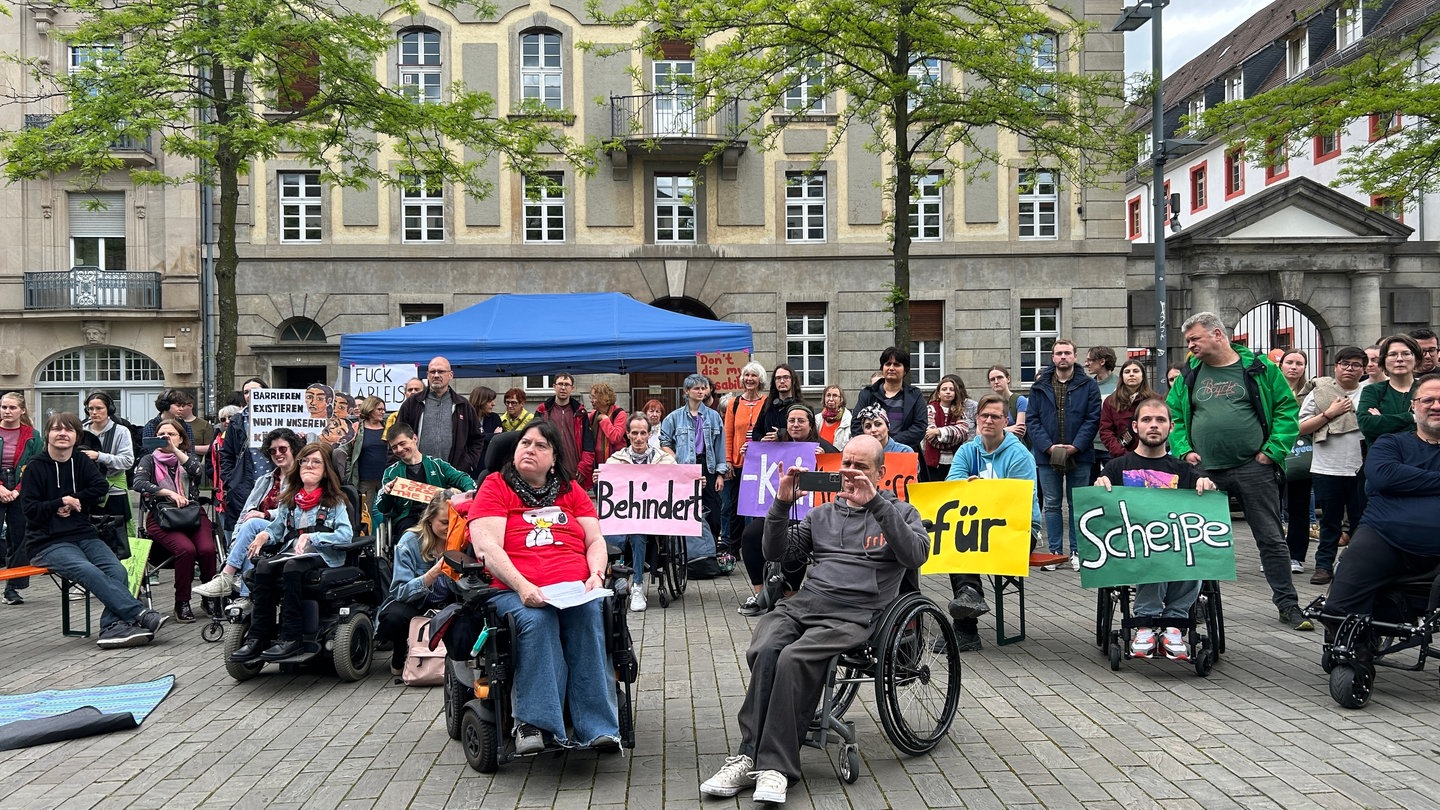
(818, 481)
(153, 443)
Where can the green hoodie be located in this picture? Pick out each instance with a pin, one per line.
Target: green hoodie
(1269, 394)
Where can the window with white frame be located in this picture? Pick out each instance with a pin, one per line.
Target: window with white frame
(92, 57)
(420, 65)
(1297, 55)
(1039, 329)
(927, 208)
(804, 207)
(1195, 109)
(925, 73)
(422, 203)
(537, 383)
(805, 343)
(807, 94)
(97, 230)
(545, 208)
(1038, 201)
(411, 314)
(300, 206)
(674, 208)
(541, 69)
(927, 342)
(1348, 24)
(1039, 52)
(1234, 87)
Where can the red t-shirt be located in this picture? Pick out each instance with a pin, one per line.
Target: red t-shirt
(545, 544)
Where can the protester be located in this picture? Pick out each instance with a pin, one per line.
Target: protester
(607, 421)
(655, 412)
(1427, 357)
(170, 477)
(482, 399)
(951, 423)
(445, 424)
(565, 410)
(875, 422)
(413, 386)
(1329, 415)
(694, 434)
(638, 451)
(1298, 513)
(240, 464)
(173, 403)
(1117, 412)
(1062, 421)
(1100, 365)
(741, 413)
(833, 420)
(1374, 368)
(515, 416)
(413, 465)
(418, 582)
(114, 455)
(770, 424)
(904, 405)
(367, 453)
(1385, 408)
(1015, 404)
(19, 443)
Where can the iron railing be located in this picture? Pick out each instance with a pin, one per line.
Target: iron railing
(124, 143)
(672, 115)
(92, 288)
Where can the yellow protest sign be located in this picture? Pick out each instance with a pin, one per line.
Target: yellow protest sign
(976, 527)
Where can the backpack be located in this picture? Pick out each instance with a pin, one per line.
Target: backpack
(136, 442)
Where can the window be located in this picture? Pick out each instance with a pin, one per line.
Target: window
(541, 71)
(927, 208)
(1393, 207)
(420, 65)
(674, 104)
(1327, 146)
(1199, 187)
(301, 330)
(1195, 109)
(97, 232)
(1038, 51)
(1234, 87)
(927, 347)
(1297, 55)
(535, 383)
(63, 383)
(1038, 205)
(805, 343)
(1235, 172)
(297, 69)
(675, 208)
(422, 203)
(545, 208)
(299, 206)
(411, 314)
(1134, 224)
(807, 94)
(1277, 161)
(1383, 126)
(804, 207)
(90, 61)
(1348, 24)
(925, 74)
(1039, 329)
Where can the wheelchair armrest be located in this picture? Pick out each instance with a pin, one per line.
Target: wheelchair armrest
(356, 544)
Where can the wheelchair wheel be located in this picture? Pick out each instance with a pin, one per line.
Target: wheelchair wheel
(213, 632)
(677, 574)
(233, 640)
(1204, 658)
(1104, 617)
(850, 763)
(354, 645)
(1350, 684)
(918, 682)
(457, 694)
(1116, 649)
(480, 741)
(1214, 616)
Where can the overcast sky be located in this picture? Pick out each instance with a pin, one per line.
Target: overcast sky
(1190, 26)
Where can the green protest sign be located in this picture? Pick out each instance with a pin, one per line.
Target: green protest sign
(1136, 535)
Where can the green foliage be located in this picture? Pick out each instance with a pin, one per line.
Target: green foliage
(1384, 77)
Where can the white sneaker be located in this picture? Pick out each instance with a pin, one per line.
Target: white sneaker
(1297, 567)
(732, 778)
(770, 786)
(220, 586)
(1144, 644)
(1175, 646)
(1074, 562)
(637, 601)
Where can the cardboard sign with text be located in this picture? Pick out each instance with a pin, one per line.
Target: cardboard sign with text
(1138, 535)
(901, 470)
(412, 490)
(649, 498)
(723, 369)
(976, 527)
(272, 408)
(764, 462)
(384, 381)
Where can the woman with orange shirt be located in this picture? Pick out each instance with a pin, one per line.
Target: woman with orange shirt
(740, 414)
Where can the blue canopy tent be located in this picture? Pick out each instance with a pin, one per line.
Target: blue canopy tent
(540, 334)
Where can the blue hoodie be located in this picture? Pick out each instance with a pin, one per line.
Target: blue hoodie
(1012, 459)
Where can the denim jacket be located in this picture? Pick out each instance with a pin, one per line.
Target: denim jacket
(677, 433)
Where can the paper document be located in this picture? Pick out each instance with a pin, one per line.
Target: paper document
(569, 594)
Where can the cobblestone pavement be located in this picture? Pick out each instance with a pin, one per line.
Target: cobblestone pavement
(1043, 723)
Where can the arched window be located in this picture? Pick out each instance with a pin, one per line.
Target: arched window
(419, 51)
(131, 378)
(301, 330)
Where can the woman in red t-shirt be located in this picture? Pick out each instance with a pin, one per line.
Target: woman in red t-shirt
(535, 527)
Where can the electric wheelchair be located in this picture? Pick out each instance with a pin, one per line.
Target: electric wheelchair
(1204, 628)
(340, 606)
(1406, 617)
(478, 680)
(911, 657)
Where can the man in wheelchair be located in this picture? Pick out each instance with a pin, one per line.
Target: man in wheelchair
(862, 544)
(1397, 534)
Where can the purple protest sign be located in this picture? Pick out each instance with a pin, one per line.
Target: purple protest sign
(764, 462)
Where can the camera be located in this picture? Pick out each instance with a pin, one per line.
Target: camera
(818, 481)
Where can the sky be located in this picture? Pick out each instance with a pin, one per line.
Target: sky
(1190, 26)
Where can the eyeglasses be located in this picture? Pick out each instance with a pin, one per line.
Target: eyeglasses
(1405, 355)
(512, 402)
(278, 451)
(1352, 366)
(1425, 402)
(1430, 351)
(438, 372)
(989, 416)
(996, 378)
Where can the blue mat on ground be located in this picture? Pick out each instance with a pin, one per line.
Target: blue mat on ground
(67, 714)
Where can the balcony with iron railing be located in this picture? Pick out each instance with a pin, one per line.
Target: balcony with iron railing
(92, 288)
(129, 149)
(674, 126)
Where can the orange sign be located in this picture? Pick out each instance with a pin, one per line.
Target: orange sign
(723, 368)
(901, 470)
(412, 490)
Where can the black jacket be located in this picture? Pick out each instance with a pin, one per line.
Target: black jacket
(911, 430)
(467, 443)
(42, 486)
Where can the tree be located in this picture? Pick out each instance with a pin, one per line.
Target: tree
(1387, 74)
(223, 83)
(1003, 67)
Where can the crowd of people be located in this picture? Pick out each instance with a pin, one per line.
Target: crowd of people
(1230, 421)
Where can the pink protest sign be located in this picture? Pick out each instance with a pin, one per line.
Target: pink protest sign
(649, 499)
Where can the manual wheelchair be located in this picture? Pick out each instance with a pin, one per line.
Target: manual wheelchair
(340, 606)
(1204, 628)
(478, 680)
(1406, 617)
(911, 657)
